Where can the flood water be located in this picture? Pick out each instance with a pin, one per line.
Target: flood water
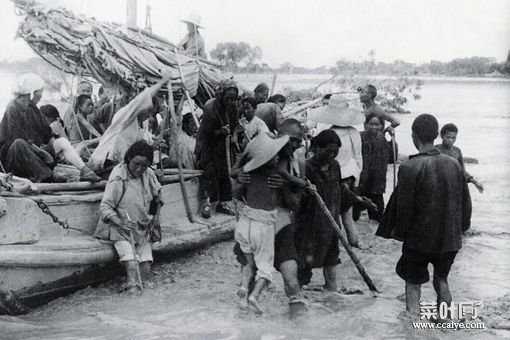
(194, 295)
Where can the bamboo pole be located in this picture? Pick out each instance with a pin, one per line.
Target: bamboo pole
(177, 118)
(273, 84)
(394, 154)
(343, 240)
(186, 92)
(300, 108)
(80, 186)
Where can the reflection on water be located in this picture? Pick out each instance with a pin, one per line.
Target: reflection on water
(194, 297)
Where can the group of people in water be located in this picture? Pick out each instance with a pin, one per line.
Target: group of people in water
(250, 153)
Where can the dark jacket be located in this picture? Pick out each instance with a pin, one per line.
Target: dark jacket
(23, 122)
(431, 205)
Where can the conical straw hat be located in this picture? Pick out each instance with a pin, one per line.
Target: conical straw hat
(339, 112)
(193, 19)
(261, 149)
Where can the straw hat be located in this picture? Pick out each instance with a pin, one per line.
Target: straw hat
(340, 112)
(261, 149)
(193, 19)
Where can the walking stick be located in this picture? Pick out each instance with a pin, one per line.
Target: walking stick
(394, 154)
(135, 257)
(175, 136)
(343, 240)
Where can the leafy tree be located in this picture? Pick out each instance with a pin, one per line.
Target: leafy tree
(231, 54)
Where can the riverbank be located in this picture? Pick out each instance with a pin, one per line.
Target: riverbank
(193, 297)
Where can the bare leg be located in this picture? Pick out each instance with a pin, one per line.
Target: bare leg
(131, 277)
(350, 228)
(330, 278)
(290, 278)
(63, 147)
(248, 275)
(413, 295)
(443, 292)
(260, 284)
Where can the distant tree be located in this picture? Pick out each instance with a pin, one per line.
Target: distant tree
(287, 67)
(231, 54)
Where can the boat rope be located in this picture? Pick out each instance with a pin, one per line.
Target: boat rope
(45, 210)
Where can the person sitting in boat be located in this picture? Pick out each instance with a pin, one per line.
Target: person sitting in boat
(278, 99)
(367, 97)
(130, 210)
(80, 129)
(250, 124)
(52, 116)
(28, 147)
(103, 116)
(193, 43)
(186, 144)
(261, 93)
(271, 114)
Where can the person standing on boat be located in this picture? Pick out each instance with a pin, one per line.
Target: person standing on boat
(367, 97)
(130, 206)
(219, 121)
(193, 43)
(28, 148)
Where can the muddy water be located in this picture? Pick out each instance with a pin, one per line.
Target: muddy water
(194, 296)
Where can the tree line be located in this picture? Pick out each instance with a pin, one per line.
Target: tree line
(241, 57)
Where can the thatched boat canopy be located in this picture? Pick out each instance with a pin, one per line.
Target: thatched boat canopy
(113, 54)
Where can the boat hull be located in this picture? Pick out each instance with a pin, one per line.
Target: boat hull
(45, 261)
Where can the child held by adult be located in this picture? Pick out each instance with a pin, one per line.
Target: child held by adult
(255, 230)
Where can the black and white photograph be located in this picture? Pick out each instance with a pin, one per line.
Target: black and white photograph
(243, 169)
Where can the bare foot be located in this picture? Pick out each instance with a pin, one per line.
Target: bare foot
(242, 293)
(252, 301)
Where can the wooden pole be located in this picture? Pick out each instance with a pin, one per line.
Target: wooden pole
(273, 84)
(137, 264)
(177, 118)
(394, 154)
(343, 240)
(190, 103)
(300, 108)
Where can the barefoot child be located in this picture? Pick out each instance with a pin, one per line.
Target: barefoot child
(255, 230)
(449, 136)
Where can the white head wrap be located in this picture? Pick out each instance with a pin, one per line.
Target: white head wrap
(28, 84)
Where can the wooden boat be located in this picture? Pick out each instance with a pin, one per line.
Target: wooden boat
(39, 260)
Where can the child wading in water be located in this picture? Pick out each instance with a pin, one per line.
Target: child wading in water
(255, 230)
(449, 136)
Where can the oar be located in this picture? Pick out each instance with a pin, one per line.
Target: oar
(343, 240)
(190, 103)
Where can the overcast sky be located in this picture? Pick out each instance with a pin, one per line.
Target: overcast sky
(313, 33)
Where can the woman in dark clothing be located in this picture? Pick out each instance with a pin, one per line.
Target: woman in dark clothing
(377, 153)
(316, 241)
(219, 121)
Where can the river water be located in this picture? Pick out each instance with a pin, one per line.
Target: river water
(194, 295)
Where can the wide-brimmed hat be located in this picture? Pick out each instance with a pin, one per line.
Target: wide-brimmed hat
(261, 149)
(340, 111)
(193, 19)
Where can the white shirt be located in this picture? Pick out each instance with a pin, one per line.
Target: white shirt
(253, 127)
